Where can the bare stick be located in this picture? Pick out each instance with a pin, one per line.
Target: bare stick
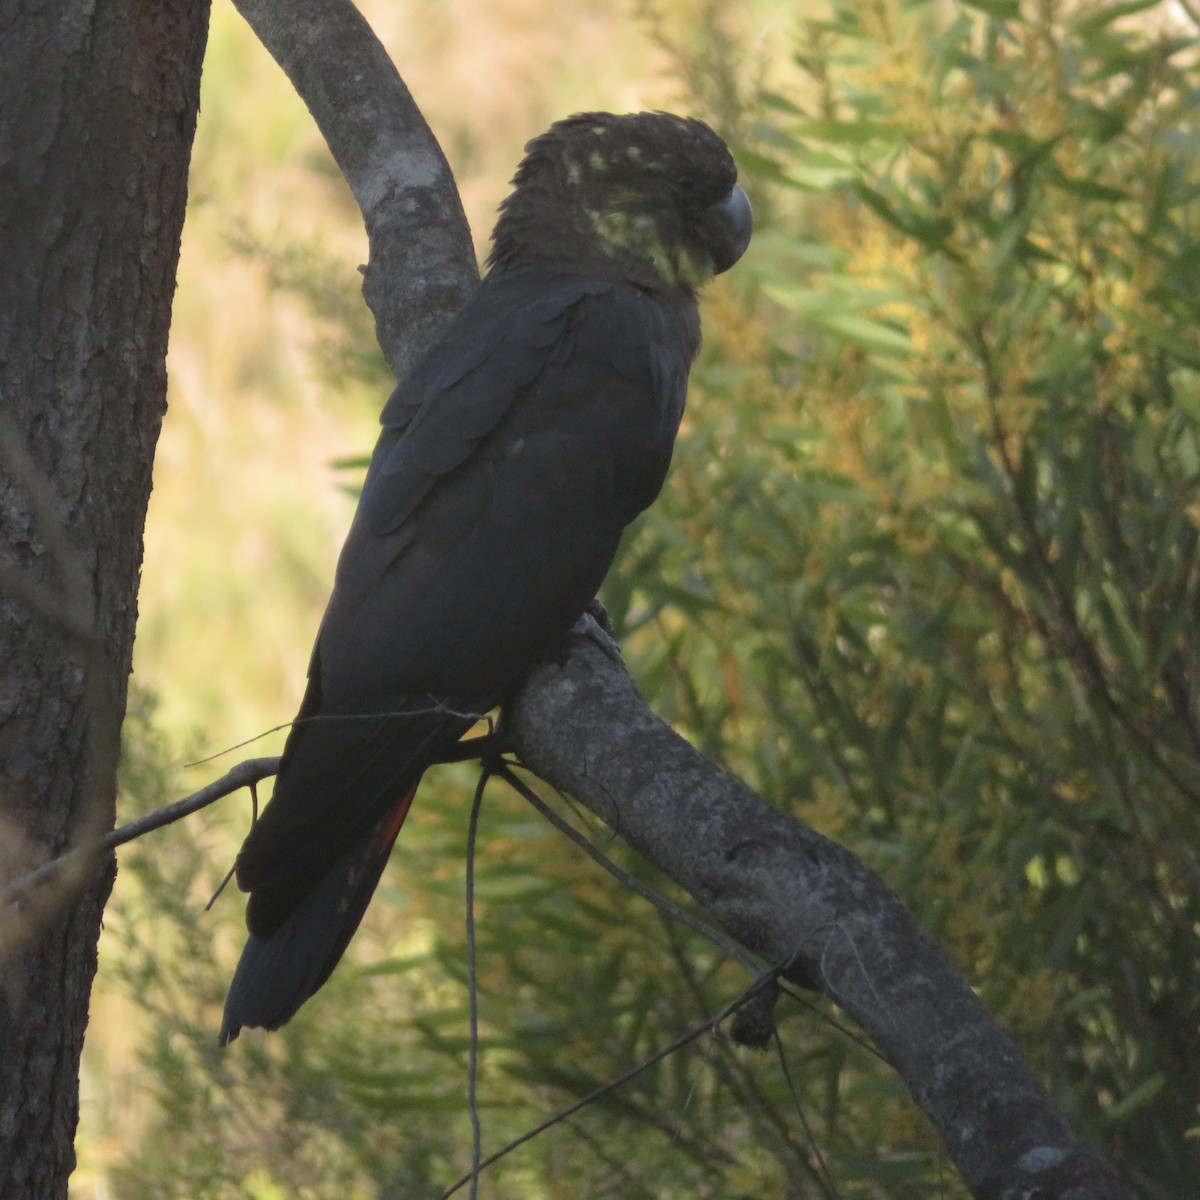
(668, 907)
(473, 983)
(710, 1023)
(245, 774)
(672, 911)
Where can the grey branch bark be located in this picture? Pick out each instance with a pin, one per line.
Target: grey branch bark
(422, 266)
(786, 892)
(793, 896)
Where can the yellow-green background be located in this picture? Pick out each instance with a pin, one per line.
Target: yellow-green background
(925, 573)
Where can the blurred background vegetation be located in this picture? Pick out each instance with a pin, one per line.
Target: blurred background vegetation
(926, 573)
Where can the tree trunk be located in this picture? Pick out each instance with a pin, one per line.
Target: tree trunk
(98, 107)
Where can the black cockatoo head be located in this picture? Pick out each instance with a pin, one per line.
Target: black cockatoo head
(647, 197)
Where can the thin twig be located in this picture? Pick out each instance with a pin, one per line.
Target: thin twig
(246, 774)
(233, 868)
(822, 1173)
(476, 747)
(732, 1071)
(258, 737)
(473, 985)
(705, 1026)
(243, 775)
(725, 944)
(672, 910)
(799, 998)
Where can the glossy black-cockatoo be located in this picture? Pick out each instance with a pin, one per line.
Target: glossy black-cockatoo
(511, 459)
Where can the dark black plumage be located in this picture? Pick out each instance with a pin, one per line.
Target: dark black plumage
(511, 459)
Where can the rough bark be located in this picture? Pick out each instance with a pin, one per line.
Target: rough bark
(98, 107)
(786, 892)
(422, 266)
(797, 898)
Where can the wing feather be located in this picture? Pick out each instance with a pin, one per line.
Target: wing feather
(526, 441)
(489, 355)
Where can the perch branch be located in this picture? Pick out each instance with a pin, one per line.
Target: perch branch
(791, 895)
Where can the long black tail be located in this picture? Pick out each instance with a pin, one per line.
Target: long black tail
(277, 973)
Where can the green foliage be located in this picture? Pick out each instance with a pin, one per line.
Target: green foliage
(930, 550)
(926, 570)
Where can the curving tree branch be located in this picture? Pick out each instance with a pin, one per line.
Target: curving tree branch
(782, 889)
(422, 266)
(792, 895)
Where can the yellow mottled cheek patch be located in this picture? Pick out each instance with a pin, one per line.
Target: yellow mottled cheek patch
(692, 270)
(621, 233)
(612, 228)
